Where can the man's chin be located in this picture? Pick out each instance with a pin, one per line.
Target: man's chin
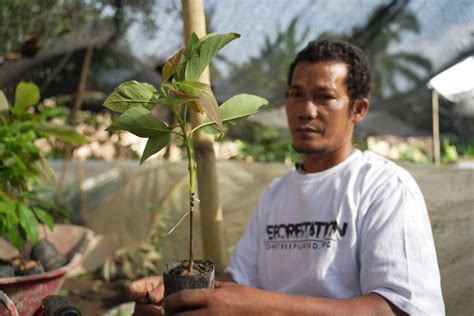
(309, 150)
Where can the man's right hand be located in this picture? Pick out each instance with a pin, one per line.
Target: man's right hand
(148, 295)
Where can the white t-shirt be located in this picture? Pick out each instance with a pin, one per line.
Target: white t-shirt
(358, 227)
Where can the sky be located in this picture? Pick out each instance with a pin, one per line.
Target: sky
(447, 27)
(253, 20)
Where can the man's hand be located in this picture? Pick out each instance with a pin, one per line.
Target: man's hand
(148, 295)
(227, 298)
(233, 299)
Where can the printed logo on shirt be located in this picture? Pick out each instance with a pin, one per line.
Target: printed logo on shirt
(305, 235)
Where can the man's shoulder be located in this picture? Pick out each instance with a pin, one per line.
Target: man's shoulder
(384, 172)
(282, 180)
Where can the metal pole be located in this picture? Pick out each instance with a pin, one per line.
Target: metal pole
(436, 140)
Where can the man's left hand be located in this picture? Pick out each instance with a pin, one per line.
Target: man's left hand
(227, 298)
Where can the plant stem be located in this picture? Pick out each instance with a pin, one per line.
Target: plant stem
(187, 140)
(192, 172)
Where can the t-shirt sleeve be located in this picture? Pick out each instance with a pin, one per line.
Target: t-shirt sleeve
(243, 260)
(397, 253)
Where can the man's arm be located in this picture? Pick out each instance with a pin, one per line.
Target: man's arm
(233, 299)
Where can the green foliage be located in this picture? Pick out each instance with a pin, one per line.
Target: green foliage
(414, 154)
(22, 165)
(466, 149)
(262, 143)
(141, 122)
(154, 145)
(199, 52)
(136, 100)
(26, 95)
(27, 25)
(182, 94)
(386, 64)
(130, 94)
(360, 143)
(206, 102)
(239, 106)
(450, 154)
(266, 73)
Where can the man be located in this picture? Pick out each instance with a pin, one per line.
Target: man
(343, 233)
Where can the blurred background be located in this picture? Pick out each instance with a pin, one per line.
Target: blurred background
(77, 51)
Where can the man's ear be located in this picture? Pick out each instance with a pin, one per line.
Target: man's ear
(360, 109)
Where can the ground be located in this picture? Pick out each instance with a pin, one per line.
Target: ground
(93, 297)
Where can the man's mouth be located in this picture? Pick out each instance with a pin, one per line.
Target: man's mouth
(308, 129)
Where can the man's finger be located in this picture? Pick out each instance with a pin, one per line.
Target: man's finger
(148, 310)
(196, 312)
(138, 290)
(183, 299)
(221, 284)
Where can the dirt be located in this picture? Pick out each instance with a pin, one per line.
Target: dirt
(93, 297)
(199, 267)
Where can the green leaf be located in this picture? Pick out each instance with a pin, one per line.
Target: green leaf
(190, 52)
(14, 238)
(7, 209)
(199, 54)
(210, 45)
(4, 105)
(154, 145)
(26, 95)
(171, 65)
(239, 106)
(141, 122)
(15, 161)
(44, 217)
(176, 101)
(63, 133)
(28, 222)
(207, 100)
(131, 94)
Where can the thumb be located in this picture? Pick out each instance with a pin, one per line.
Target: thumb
(221, 284)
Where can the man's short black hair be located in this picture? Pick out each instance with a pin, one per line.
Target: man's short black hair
(358, 78)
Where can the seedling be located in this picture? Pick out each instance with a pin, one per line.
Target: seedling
(180, 92)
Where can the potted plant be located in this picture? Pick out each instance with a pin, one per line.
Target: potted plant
(180, 92)
(23, 203)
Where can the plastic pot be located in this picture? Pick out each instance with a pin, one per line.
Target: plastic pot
(46, 252)
(174, 281)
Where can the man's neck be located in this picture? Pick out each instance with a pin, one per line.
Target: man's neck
(319, 162)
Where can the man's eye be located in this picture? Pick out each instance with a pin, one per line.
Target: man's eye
(294, 94)
(324, 97)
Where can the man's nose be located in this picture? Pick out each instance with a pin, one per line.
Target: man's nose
(308, 110)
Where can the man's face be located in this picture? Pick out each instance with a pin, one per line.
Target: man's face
(318, 107)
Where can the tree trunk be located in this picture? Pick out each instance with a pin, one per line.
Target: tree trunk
(210, 209)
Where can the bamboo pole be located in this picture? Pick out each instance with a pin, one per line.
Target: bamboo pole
(210, 210)
(436, 140)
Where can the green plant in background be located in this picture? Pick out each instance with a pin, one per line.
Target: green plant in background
(135, 102)
(450, 154)
(466, 149)
(262, 143)
(22, 166)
